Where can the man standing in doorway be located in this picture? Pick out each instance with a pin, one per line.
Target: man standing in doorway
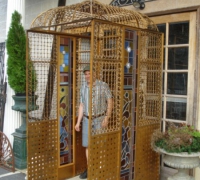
(101, 109)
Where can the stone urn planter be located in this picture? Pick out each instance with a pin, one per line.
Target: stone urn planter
(182, 162)
(19, 144)
(20, 105)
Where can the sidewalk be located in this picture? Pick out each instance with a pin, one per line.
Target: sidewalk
(75, 178)
(8, 175)
(19, 175)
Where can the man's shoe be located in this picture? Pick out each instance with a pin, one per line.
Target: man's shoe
(83, 175)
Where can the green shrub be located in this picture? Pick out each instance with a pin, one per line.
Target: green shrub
(16, 64)
(16, 50)
(177, 139)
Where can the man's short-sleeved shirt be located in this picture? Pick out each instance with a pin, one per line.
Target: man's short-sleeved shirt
(100, 93)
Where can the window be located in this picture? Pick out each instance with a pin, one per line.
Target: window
(178, 66)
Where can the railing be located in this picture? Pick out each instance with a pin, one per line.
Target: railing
(3, 85)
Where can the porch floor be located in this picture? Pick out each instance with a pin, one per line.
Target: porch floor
(165, 173)
(21, 175)
(8, 175)
(77, 178)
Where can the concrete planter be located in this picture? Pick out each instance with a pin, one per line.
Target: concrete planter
(20, 103)
(182, 162)
(19, 144)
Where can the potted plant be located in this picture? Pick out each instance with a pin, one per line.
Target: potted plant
(16, 71)
(16, 63)
(180, 146)
(16, 50)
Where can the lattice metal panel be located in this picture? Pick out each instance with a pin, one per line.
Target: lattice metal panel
(105, 142)
(84, 29)
(42, 122)
(83, 46)
(148, 104)
(78, 15)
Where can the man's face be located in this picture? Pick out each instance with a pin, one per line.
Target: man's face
(87, 76)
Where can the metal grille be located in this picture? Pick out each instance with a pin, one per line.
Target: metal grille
(79, 16)
(3, 85)
(105, 143)
(148, 110)
(7, 159)
(42, 122)
(82, 60)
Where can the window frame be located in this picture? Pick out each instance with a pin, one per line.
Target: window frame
(175, 18)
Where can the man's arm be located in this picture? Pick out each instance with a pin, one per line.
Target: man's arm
(108, 112)
(109, 107)
(80, 116)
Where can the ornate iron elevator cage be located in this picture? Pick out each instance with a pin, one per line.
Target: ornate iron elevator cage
(60, 43)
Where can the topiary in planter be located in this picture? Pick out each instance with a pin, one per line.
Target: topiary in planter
(16, 50)
(16, 63)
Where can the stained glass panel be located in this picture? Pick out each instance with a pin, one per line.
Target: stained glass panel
(128, 130)
(65, 101)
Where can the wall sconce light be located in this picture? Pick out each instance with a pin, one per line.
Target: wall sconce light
(139, 4)
(128, 65)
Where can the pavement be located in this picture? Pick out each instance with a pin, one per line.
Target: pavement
(8, 175)
(19, 175)
(75, 178)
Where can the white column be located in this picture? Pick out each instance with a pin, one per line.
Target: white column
(12, 119)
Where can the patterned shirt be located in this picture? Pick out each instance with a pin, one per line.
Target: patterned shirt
(100, 93)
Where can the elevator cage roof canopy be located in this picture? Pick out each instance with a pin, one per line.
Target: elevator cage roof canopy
(80, 15)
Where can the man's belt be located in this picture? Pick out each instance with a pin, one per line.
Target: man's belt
(95, 116)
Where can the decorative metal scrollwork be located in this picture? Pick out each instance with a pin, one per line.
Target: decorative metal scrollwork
(122, 3)
(6, 153)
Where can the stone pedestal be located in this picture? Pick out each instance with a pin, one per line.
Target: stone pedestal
(19, 145)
